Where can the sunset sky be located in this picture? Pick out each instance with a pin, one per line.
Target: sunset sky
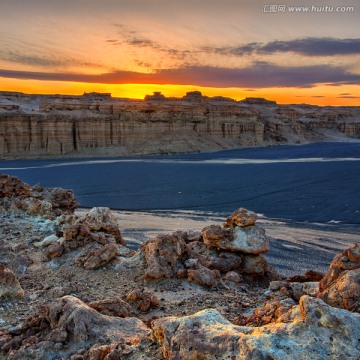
(220, 47)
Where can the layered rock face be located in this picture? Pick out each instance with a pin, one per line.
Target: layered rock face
(103, 125)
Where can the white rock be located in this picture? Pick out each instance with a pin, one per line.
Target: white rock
(250, 240)
(51, 239)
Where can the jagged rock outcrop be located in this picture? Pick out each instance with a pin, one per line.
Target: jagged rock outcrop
(9, 284)
(98, 225)
(35, 200)
(100, 124)
(314, 330)
(68, 327)
(96, 233)
(340, 287)
(236, 246)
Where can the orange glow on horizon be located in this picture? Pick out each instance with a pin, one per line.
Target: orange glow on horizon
(322, 95)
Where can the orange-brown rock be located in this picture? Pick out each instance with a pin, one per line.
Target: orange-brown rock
(162, 255)
(313, 275)
(145, 300)
(241, 217)
(341, 285)
(112, 307)
(96, 256)
(54, 250)
(98, 221)
(12, 186)
(203, 276)
(70, 327)
(9, 284)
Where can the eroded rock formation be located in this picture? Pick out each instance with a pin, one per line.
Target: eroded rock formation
(314, 330)
(70, 328)
(341, 285)
(99, 124)
(204, 258)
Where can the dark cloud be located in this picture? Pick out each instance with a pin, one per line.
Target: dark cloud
(317, 96)
(348, 97)
(315, 46)
(345, 94)
(308, 46)
(255, 76)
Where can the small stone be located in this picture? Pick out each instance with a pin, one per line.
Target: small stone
(233, 277)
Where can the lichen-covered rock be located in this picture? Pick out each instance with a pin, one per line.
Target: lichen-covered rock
(66, 326)
(112, 307)
(313, 330)
(162, 255)
(9, 284)
(340, 287)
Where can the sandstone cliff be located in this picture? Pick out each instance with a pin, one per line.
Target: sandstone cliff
(39, 125)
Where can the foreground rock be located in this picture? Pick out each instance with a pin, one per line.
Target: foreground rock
(239, 233)
(341, 285)
(9, 284)
(314, 331)
(207, 257)
(35, 200)
(70, 329)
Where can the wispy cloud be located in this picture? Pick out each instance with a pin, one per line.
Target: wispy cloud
(258, 75)
(42, 60)
(308, 47)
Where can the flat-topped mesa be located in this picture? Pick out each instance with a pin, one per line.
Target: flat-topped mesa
(218, 252)
(98, 124)
(257, 101)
